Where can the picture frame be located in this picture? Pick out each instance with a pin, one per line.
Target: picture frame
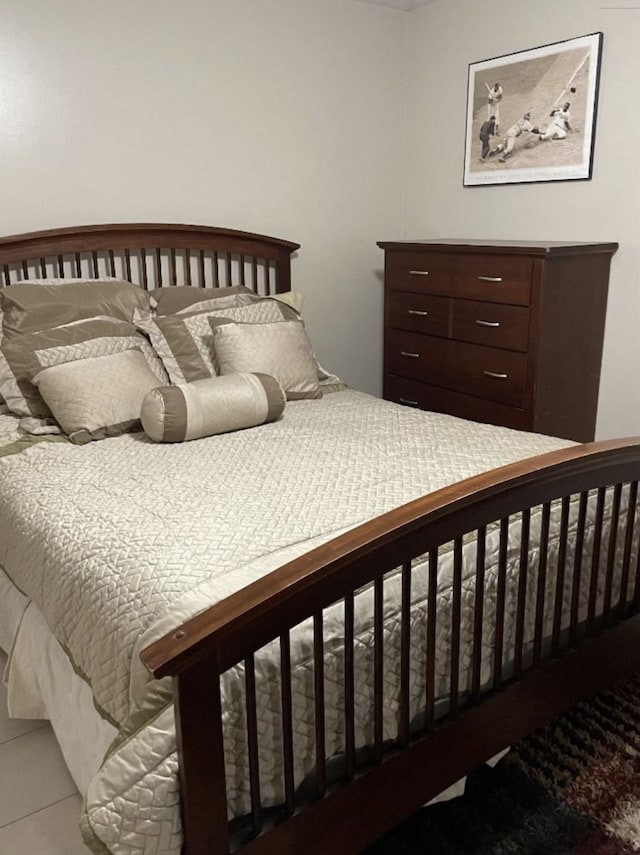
(535, 136)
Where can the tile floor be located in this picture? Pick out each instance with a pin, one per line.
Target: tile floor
(39, 804)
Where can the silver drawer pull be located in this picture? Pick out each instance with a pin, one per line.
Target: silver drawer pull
(488, 323)
(407, 353)
(416, 312)
(419, 272)
(410, 403)
(490, 278)
(494, 374)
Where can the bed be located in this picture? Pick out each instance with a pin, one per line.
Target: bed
(288, 638)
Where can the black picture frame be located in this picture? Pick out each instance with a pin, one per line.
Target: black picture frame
(533, 138)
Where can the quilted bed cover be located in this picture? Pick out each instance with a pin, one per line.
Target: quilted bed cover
(119, 541)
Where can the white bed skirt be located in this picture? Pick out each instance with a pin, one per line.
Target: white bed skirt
(41, 683)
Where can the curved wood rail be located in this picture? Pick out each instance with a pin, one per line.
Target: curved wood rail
(135, 251)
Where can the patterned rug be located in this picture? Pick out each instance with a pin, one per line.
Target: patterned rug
(573, 787)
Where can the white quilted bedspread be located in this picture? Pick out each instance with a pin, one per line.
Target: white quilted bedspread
(120, 540)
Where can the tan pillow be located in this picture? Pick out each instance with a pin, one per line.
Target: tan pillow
(35, 305)
(211, 406)
(281, 349)
(22, 357)
(97, 397)
(184, 342)
(180, 298)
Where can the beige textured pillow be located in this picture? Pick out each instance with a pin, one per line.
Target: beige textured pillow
(35, 305)
(97, 397)
(184, 342)
(22, 357)
(281, 349)
(211, 406)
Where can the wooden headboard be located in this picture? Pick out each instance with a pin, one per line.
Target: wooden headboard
(151, 255)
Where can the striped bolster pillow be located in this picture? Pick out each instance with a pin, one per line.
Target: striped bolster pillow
(210, 406)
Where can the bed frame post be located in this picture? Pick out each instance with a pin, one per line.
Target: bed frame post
(203, 791)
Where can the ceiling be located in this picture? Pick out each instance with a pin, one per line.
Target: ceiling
(407, 5)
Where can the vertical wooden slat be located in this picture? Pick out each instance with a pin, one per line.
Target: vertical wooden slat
(432, 610)
(200, 742)
(159, 275)
(43, 268)
(229, 271)
(500, 602)
(628, 545)
(216, 270)
(478, 612)
(560, 574)
(577, 566)
(595, 559)
(456, 614)
(318, 681)
(112, 263)
(635, 603)
(287, 720)
(254, 274)
(523, 578)
(187, 266)
(143, 267)
(202, 279)
(378, 654)
(252, 743)
(5, 274)
(60, 266)
(127, 264)
(349, 690)
(172, 267)
(94, 264)
(25, 271)
(242, 270)
(611, 552)
(405, 652)
(541, 587)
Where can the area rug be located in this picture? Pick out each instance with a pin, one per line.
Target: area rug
(573, 787)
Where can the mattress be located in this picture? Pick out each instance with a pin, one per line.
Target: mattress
(119, 541)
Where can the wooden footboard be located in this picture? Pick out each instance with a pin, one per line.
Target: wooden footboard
(531, 577)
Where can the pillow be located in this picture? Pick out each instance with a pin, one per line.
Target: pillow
(179, 298)
(211, 406)
(280, 349)
(184, 342)
(22, 357)
(99, 396)
(34, 305)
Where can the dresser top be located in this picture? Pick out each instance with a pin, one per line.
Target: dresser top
(512, 247)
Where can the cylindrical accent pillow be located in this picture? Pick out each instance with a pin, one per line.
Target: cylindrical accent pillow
(210, 406)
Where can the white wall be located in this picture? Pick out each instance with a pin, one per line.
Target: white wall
(444, 38)
(278, 116)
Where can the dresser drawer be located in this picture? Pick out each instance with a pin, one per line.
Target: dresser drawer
(419, 313)
(492, 324)
(486, 372)
(410, 354)
(494, 278)
(413, 393)
(425, 273)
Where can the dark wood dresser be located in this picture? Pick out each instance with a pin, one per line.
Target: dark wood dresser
(503, 332)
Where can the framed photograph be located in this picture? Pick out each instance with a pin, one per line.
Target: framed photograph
(531, 116)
